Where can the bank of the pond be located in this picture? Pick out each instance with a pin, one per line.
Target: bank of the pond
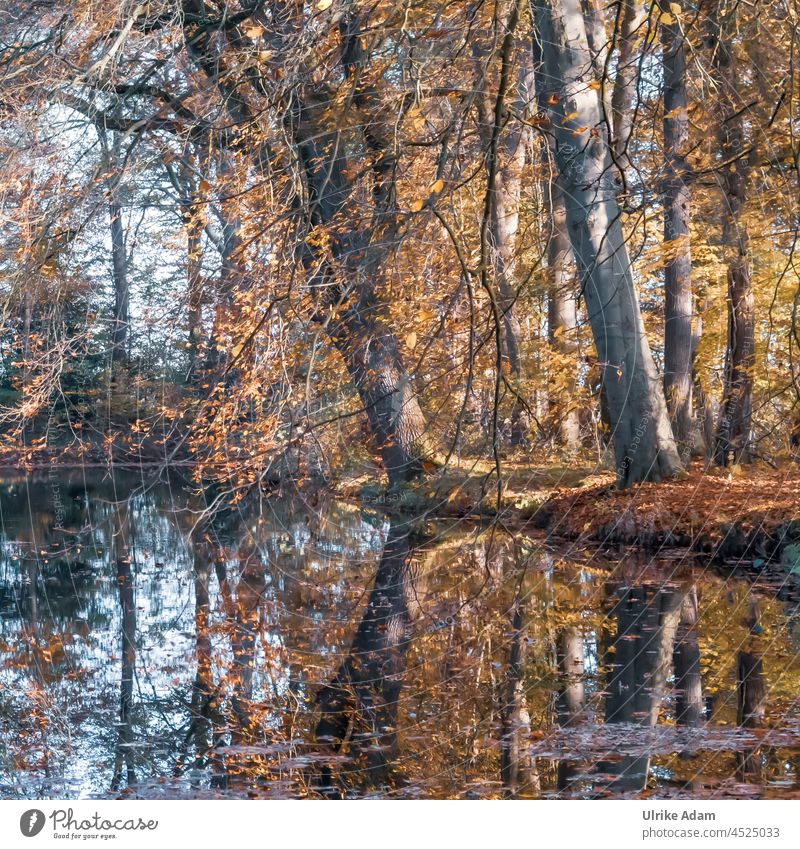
(750, 514)
(747, 513)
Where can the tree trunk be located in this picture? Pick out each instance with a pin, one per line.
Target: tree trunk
(385, 388)
(678, 306)
(503, 227)
(644, 447)
(630, 38)
(348, 286)
(704, 412)
(733, 437)
(119, 263)
(504, 200)
(323, 146)
(194, 284)
(562, 316)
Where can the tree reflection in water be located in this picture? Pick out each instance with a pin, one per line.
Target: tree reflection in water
(359, 706)
(285, 650)
(638, 662)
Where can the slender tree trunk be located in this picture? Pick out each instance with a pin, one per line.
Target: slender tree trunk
(630, 39)
(505, 193)
(119, 259)
(119, 334)
(194, 283)
(704, 410)
(644, 447)
(678, 306)
(562, 316)
(503, 227)
(119, 265)
(733, 436)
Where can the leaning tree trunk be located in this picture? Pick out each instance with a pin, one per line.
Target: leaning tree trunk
(733, 437)
(678, 306)
(323, 142)
(644, 447)
(346, 283)
(370, 353)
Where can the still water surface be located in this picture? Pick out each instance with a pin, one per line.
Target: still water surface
(296, 649)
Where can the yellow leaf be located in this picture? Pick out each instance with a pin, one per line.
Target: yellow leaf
(675, 8)
(436, 187)
(667, 19)
(411, 340)
(417, 205)
(324, 4)
(595, 85)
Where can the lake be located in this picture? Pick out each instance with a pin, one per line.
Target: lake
(301, 647)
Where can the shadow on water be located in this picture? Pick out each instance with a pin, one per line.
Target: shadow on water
(285, 649)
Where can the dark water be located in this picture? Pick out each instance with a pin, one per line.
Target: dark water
(290, 649)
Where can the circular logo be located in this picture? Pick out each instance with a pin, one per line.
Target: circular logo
(31, 822)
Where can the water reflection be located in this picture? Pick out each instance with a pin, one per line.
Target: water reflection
(638, 666)
(287, 649)
(359, 706)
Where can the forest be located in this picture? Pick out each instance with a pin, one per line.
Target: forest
(291, 239)
(526, 267)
